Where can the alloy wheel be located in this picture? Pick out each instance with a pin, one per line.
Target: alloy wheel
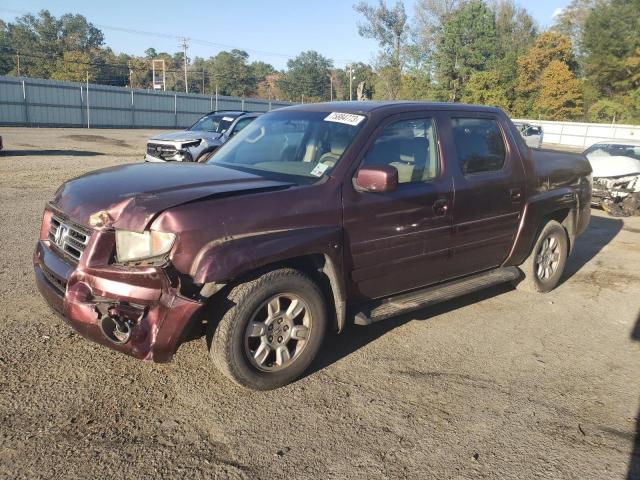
(278, 332)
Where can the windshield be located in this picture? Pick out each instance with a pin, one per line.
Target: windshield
(302, 145)
(613, 150)
(217, 123)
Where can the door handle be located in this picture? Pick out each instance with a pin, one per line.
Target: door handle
(441, 207)
(515, 194)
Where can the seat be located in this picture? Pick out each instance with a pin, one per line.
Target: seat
(337, 145)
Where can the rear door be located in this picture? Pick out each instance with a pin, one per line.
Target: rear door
(399, 240)
(488, 177)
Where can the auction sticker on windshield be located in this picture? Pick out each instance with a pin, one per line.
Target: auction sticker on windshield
(319, 169)
(347, 118)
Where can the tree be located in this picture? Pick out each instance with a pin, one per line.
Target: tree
(611, 35)
(308, 76)
(74, 66)
(515, 28)
(42, 40)
(7, 58)
(415, 85)
(430, 16)
(607, 111)
(231, 73)
(572, 19)
(390, 28)
(487, 88)
(466, 45)
(560, 96)
(548, 47)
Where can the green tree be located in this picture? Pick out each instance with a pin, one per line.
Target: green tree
(487, 88)
(390, 28)
(74, 67)
(572, 19)
(42, 40)
(607, 111)
(466, 45)
(560, 95)
(308, 76)
(231, 73)
(611, 35)
(515, 27)
(7, 59)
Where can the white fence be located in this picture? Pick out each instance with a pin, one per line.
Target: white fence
(583, 135)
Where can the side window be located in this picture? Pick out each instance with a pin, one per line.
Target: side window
(241, 124)
(479, 145)
(410, 146)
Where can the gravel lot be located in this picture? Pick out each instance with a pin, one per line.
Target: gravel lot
(498, 384)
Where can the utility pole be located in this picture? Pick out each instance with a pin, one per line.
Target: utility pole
(88, 121)
(331, 87)
(203, 80)
(184, 44)
(18, 57)
(130, 73)
(350, 83)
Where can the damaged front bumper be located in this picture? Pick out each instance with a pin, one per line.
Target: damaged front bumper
(619, 196)
(94, 299)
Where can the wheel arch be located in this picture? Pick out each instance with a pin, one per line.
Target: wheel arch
(560, 205)
(320, 267)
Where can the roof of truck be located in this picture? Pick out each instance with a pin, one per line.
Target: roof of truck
(370, 106)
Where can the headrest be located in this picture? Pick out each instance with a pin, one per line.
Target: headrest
(339, 143)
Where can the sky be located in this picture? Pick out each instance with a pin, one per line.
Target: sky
(269, 31)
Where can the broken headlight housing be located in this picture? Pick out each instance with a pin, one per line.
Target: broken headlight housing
(134, 246)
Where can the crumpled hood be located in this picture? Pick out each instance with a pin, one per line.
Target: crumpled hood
(133, 195)
(613, 166)
(187, 135)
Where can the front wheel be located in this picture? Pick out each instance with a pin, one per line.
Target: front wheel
(543, 268)
(271, 330)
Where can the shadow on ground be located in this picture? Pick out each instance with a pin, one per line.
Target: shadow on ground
(634, 461)
(601, 231)
(50, 153)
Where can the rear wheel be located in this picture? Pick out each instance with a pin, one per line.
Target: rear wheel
(543, 268)
(271, 331)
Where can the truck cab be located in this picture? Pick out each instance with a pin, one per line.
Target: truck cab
(311, 217)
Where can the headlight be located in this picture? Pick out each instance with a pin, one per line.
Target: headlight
(138, 246)
(193, 143)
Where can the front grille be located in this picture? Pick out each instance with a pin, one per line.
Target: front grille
(58, 283)
(165, 152)
(67, 237)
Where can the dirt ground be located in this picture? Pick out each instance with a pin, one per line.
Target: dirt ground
(500, 384)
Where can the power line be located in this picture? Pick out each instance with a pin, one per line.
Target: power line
(221, 46)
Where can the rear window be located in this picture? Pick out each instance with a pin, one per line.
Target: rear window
(479, 145)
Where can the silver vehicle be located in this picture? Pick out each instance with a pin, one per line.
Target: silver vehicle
(201, 140)
(532, 134)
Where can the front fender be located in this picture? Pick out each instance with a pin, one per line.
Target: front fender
(224, 259)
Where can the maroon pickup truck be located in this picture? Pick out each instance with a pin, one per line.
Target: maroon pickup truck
(312, 216)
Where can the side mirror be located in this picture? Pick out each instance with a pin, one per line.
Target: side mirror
(378, 178)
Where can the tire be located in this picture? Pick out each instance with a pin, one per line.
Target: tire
(254, 322)
(543, 268)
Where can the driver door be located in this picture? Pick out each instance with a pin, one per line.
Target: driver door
(399, 240)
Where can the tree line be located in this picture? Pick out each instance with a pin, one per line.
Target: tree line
(585, 67)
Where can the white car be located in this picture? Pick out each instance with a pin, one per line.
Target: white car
(616, 176)
(532, 134)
